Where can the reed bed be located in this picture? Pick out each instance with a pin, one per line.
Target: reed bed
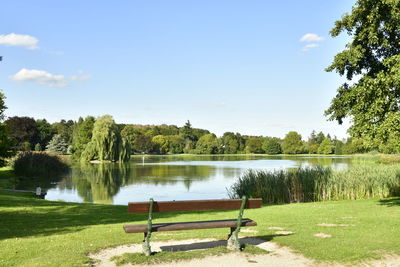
(39, 164)
(361, 181)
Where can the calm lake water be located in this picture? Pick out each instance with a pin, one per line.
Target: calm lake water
(167, 177)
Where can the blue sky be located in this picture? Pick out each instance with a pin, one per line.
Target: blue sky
(238, 66)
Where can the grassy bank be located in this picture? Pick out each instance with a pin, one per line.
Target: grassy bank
(36, 232)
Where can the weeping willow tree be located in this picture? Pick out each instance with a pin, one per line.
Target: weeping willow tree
(106, 143)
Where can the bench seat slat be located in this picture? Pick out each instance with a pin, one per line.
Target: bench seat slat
(193, 205)
(141, 228)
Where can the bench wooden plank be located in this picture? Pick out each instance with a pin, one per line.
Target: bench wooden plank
(193, 205)
(141, 228)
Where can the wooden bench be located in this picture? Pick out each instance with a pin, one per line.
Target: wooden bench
(192, 205)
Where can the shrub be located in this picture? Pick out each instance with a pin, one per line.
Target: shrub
(282, 186)
(38, 164)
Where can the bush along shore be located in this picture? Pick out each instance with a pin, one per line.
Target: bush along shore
(39, 164)
(361, 181)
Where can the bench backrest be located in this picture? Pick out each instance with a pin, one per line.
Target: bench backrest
(193, 205)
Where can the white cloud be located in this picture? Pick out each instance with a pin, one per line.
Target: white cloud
(39, 76)
(310, 46)
(26, 41)
(311, 37)
(80, 77)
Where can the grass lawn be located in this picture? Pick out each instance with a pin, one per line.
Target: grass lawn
(35, 232)
(6, 177)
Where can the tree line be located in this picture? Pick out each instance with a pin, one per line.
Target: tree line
(101, 138)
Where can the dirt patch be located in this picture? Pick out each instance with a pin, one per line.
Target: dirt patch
(322, 235)
(246, 230)
(276, 228)
(334, 225)
(278, 256)
(387, 261)
(284, 232)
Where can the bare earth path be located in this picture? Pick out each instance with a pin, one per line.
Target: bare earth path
(278, 256)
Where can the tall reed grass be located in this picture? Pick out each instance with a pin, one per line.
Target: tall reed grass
(39, 164)
(319, 183)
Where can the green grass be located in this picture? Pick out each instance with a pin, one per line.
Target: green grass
(165, 256)
(35, 232)
(377, 158)
(6, 177)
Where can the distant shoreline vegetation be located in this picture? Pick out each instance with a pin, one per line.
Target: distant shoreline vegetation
(109, 141)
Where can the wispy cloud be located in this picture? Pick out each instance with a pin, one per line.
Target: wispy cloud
(309, 46)
(40, 77)
(311, 37)
(80, 77)
(26, 41)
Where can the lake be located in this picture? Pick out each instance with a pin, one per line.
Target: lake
(182, 177)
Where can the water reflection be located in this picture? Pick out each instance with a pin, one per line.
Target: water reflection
(168, 177)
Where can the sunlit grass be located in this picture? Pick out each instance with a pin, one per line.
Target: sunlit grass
(35, 232)
(6, 177)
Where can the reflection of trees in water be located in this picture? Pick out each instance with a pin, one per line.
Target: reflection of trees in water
(98, 182)
(169, 174)
(323, 161)
(232, 173)
(101, 182)
(170, 158)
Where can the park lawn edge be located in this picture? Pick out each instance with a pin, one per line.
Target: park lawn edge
(83, 228)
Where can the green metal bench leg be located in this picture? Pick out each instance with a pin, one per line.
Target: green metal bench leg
(146, 242)
(233, 241)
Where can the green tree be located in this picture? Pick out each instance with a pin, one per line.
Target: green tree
(160, 144)
(6, 141)
(207, 144)
(326, 147)
(38, 147)
(131, 132)
(229, 143)
(353, 145)
(81, 135)
(107, 143)
(57, 145)
(187, 131)
(65, 128)
(272, 145)
(3, 106)
(371, 64)
(292, 143)
(143, 144)
(338, 144)
(6, 144)
(24, 131)
(45, 132)
(176, 144)
(254, 145)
